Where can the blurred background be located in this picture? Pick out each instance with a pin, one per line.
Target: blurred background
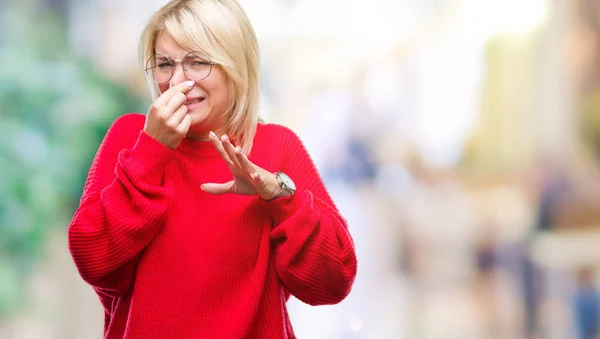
(460, 139)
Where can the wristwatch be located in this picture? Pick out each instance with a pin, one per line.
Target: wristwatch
(285, 182)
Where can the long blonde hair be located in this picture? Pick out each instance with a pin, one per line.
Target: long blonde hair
(220, 29)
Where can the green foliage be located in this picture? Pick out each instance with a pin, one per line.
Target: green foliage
(55, 107)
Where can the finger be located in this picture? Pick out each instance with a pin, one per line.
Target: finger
(178, 116)
(177, 100)
(218, 189)
(229, 149)
(185, 124)
(243, 161)
(219, 147)
(164, 98)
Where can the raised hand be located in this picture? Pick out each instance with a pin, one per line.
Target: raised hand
(248, 179)
(167, 120)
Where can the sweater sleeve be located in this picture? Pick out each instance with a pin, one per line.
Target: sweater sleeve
(122, 208)
(314, 252)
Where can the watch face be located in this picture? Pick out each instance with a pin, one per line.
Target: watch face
(287, 181)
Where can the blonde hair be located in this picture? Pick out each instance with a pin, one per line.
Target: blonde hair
(221, 30)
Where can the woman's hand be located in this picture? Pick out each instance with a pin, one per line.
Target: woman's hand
(167, 120)
(248, 179)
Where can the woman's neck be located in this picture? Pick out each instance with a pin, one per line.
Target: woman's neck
(197, 136)
(203, 136)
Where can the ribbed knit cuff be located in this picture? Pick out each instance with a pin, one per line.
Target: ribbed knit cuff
(284, 207)
(151, 158)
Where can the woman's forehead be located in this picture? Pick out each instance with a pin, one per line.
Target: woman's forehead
(166, 45)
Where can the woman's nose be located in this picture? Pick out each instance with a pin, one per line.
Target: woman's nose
(179, 75)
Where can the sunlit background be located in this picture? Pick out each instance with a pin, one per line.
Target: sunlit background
(460, 139)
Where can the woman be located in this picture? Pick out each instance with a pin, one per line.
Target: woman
(197, 220)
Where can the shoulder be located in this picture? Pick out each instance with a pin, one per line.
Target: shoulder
(129, 122)
(125, 130)
(127, 125)
(279, 142)
(270, 132)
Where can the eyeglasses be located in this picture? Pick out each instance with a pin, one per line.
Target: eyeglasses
(196, 66)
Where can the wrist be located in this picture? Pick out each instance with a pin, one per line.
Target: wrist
(273, 185)
(147, 158)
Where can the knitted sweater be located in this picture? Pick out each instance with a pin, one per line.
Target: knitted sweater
(169, 260)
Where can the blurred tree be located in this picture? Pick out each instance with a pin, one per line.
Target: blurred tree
(55, 107)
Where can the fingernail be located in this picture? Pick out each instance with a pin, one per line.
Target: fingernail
(190, 83)
(202, 187)
(239, 149)
(212, 134)
(225, 137)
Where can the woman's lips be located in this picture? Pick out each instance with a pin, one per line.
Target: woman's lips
(192, 103)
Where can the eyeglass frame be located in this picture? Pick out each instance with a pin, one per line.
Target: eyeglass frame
(174, 61)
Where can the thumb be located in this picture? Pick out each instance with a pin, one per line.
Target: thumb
(218, 189)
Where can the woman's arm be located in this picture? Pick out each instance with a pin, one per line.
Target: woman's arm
(314, 252)
(122, 207)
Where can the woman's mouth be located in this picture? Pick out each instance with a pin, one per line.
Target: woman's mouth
(193, 103)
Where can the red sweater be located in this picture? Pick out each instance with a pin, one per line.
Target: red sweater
(171, 261)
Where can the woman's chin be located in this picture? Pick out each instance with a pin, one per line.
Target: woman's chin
(198, 116)
(199, 123)
(205, 121)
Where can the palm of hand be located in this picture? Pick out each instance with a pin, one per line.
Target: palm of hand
(248, 179)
